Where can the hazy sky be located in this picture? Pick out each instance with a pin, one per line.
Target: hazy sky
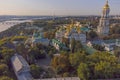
(57, 7)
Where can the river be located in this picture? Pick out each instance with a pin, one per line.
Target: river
(7, 24)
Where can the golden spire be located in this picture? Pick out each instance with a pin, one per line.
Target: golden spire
(107, 3)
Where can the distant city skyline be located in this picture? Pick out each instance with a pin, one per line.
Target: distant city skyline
(57, 7)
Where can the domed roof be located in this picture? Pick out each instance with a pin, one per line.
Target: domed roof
(106, 5)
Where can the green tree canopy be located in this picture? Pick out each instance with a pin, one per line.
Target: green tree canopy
(77, 58)
(92, 34)
(3, 69)
(83, 71)
(5, 78)
(61, 63)
(36, 71)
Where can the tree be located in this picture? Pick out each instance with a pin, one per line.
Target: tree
(103, 65)
(83, 71)
(3, 69)
(102, 56)
(66, 41)
(72, 45)
(46, 35)
(104, 70)
(61, 63)
(7, 54)
(98, 47)
(22, 50)
(66, 74)
(77, 58)
(78, 46)
(5, 78)
(37, 53)
(117, 52)
(51, 51)
(92, 34)
(75, 45)
(49, 34)
(36, 71)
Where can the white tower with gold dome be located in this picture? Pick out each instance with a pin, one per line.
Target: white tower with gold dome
(103, 28)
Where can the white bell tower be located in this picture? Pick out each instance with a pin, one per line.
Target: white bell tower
(103, 27)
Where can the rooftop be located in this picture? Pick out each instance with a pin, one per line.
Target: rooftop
(21, 68)
(84, 29)
(58, 42)
(89, 50)
(18, 62)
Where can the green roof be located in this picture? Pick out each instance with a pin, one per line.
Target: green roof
(89, 50)
(58, 42)
(85, 29)
(61, 45)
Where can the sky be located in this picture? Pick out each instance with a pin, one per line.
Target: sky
(57, 7)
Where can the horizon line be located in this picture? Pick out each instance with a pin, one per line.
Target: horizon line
(59, 15)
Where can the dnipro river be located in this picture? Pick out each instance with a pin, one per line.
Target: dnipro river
(7, 24)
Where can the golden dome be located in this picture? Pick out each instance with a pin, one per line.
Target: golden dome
(106, 5)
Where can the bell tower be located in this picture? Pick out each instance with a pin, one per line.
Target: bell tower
(103, 27)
